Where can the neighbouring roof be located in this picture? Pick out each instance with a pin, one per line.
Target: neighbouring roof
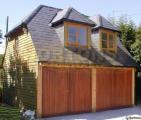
(49, 46)
(71, 14)
(101, 22)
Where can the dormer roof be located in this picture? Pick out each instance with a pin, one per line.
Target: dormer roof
(70, 14)
(102, 22)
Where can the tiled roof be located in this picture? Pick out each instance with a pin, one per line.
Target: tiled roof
(49, 45)
(28, 18)
(104, 23)
(71, 14)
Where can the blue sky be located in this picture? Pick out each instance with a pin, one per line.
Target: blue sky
(18, 9)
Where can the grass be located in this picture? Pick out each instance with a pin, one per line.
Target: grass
(9, 113)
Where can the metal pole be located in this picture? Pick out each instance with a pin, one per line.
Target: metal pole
(7, 24)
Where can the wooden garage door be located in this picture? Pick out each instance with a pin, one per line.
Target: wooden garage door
(80, 90)
(66, 90)
(55, 91)
(113, 88)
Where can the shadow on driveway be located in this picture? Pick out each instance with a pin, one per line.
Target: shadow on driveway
(120, 114)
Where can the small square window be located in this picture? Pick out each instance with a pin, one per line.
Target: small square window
(108, 40)
(76, 35)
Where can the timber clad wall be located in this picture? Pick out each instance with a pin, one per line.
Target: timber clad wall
(20, 67)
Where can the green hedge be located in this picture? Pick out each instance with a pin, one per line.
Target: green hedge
(9, 113)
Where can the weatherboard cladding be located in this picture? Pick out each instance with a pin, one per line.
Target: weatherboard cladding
(49, 43)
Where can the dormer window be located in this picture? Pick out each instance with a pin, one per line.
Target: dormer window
(108, 40)
(76, 34)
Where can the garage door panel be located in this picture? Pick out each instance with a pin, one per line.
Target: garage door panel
(61, 90)
(122, 88)
(103, 89)
(119, 88)
(129, 94)
(55, 90)
(80, 81)
(66, 90)
(114, 88)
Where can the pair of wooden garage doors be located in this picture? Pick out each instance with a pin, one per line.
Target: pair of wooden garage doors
(69, 90)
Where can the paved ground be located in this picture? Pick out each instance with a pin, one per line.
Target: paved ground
(120, 114)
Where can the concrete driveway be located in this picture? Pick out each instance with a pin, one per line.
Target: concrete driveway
(132, 113)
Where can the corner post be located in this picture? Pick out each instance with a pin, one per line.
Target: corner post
(93, 89)
(39, 90)
(133, 86)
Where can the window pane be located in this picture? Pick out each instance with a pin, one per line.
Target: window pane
(104, 44)
(82, 36)
(72, 38)
(104, 40)
(104, 36)
(72, 34)
(111, 41)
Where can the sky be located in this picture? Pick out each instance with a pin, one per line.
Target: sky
(18, 9)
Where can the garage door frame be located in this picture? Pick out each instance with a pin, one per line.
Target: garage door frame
(93, 67)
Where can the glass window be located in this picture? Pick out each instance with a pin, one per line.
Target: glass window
(82, 36)
(104, 40)
(77, 35)
(111, 41)
(72, 34)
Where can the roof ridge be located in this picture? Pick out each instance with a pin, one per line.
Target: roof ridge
(50, 7)
(36, 11)
(33, 13)
(68, 12)
(65, 15)
(100, 19)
